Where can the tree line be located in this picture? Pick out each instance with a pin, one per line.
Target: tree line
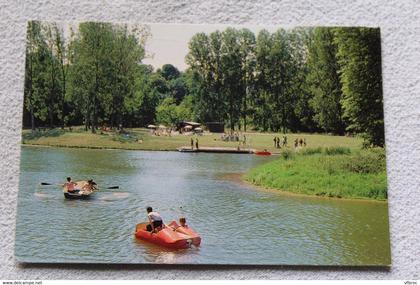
(306, 79)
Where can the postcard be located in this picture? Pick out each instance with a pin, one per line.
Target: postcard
(202, 144)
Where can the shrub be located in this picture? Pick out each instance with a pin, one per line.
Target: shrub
(370, 161)
(127, 137)
(337, 150)
(311, 151)
(287, 154)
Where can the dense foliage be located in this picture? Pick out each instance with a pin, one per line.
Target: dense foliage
(322, 79)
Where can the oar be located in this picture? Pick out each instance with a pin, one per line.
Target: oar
(113, 187)
(58, 184)
(54, 184)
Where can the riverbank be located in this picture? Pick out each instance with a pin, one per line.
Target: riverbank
(334, 173)
(143, 139)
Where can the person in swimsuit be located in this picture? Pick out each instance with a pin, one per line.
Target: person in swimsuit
(70, 185)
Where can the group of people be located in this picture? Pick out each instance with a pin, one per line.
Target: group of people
(156, 222)
(300, 142)
(233, 137)
(87, 187)
(279, 142)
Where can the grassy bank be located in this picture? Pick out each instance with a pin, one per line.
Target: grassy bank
(330, 172)
(142, 139)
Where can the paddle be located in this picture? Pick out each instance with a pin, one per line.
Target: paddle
(58, 184)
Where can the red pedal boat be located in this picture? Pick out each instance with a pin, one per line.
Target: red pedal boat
(167, 237)
(196, 239)
(263, 152)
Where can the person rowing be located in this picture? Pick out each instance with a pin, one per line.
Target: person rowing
(155, 220)
(89, 186)
(70, 186)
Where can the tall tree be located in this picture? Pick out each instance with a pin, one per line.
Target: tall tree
(232, 88)
(247, 44)
(126, 54)
(261, 107)
(206, 76)
(324, 81)
(35, 73)
(359, 54)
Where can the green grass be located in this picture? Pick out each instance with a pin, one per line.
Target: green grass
(333, 172)
(141, 139)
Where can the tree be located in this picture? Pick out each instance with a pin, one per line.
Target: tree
(359, 54)
(261, 107)
(35, 73)
(104, 65)
(248, 63)
(324, 82)
(169, 72)
(205, 76)
(166, 112)
(57, 72)
(126, 55)
(232, 77)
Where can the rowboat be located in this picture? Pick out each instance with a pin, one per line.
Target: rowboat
(82, 191)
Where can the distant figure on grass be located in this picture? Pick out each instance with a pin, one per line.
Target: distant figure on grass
(155, 220)
(284, 141)
(304, 141)
(296, 143)
(196, 143)
(300, 142)
(278, 142)
(275, 140)
(192, 144)
(70, 186)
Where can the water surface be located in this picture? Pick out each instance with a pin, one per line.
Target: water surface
(238, 224)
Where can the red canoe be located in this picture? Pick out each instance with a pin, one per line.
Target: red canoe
(166, 237)
(196, 239)
(263, 153)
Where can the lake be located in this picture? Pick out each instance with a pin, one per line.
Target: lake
(238, 223)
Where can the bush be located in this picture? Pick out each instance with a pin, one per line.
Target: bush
(127, 137)
(370, 161)
(337, 150)
(287, 154)
(311, 151)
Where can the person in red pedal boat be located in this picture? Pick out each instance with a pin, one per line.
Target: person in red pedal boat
(155, 220)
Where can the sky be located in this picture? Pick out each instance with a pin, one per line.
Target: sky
(169, 42)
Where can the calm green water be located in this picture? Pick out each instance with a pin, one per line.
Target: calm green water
(238, 224)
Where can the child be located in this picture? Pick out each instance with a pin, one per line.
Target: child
(183, 222)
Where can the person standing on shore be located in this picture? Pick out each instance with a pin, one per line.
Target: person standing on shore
(196, 143)
(192, 144)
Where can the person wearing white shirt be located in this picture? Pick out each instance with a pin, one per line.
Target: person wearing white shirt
(155, 220)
